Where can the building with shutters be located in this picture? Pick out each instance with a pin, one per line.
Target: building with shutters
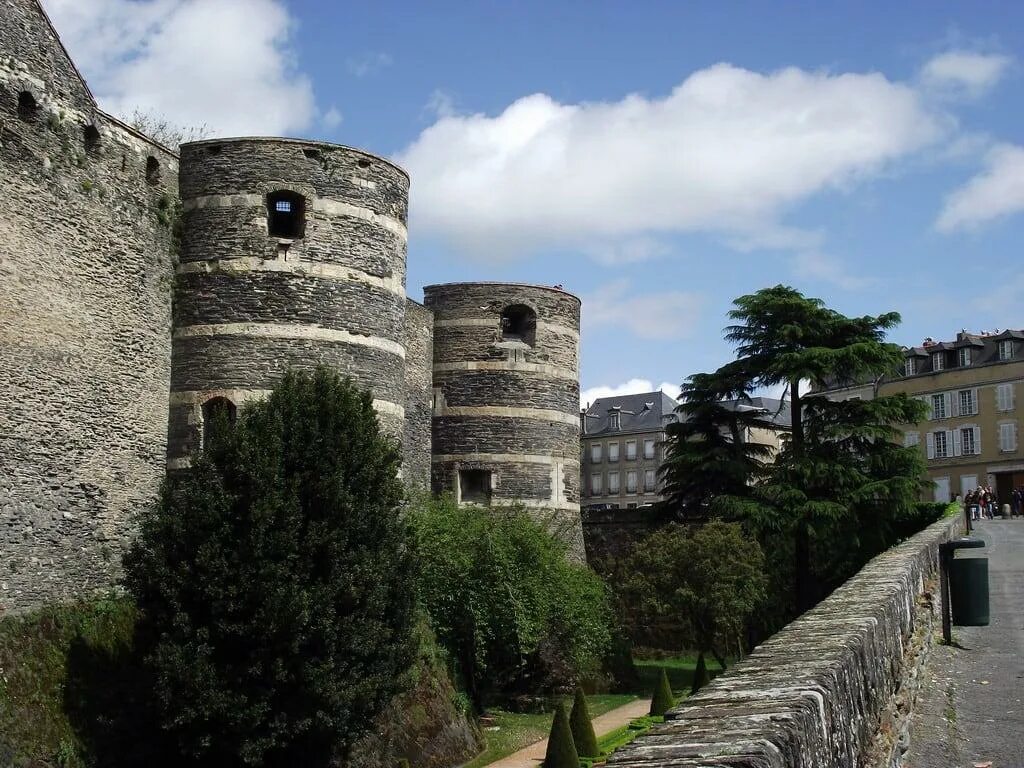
(973, 387)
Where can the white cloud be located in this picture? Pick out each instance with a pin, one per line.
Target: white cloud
(964, 73)
(662, 315)
(332, 118)
(829, 269)
(228, 64)
(995, 192)
(728, 151)
(368, 63)
(631, 387)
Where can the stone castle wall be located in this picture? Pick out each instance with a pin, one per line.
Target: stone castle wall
(86, 212)
(250, 304)
(507, 404)
(419, 359)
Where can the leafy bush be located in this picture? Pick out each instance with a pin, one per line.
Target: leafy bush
(514, 612)
(582, 728)
(661, 701)
(275, 582)
(561, 753)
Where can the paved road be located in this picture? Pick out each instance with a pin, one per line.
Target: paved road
(531, 756)
(971, 708)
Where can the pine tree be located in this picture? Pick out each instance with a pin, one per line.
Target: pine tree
(582, 728)
(662, 701)
(561, 752)
(700, 675)
(275, 581)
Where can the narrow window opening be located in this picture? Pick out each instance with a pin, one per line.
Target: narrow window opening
(519, 323)
(475, 486)
(28, 107)
(363, 163)
(152, 170)
(312, 154)
(214, 409)
(286, 214)
(91, 135)
(213, 149)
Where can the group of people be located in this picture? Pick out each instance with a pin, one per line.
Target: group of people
(982, 502)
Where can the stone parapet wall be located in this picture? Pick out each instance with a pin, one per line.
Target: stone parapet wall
(814, 694)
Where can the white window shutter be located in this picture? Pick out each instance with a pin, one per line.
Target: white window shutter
(974, 401)
(977, 440)
(1013, 437)
(931, 446)
(954, 399)
(928, 404)
(955, 442)
(1009, 397)
(948, 397)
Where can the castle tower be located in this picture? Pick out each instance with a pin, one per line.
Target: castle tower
(506, 396)
(292, 255)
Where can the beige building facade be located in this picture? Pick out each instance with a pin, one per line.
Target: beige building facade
(974, 390)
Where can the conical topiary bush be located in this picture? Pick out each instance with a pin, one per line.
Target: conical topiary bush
(700, 675)
(561, 751)
(583, 735)
(661, 702)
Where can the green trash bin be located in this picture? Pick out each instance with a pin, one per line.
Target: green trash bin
(968, 591)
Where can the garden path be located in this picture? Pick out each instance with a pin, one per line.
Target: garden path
(531, 756)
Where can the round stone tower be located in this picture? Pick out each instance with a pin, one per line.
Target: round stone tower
(292, 255)
(506, 396)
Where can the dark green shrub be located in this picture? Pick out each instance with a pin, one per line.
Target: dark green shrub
(700, 675)
(561, 753)
(275, 582)
(662, 701)
(583, 735)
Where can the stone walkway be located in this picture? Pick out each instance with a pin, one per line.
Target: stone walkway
(970, 711)
(531, 756)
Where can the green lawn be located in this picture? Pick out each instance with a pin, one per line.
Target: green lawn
(512, 731)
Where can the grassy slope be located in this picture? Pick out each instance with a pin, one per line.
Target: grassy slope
(34, 675)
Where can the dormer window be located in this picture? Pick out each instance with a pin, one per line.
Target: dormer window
(286, 215)
(964, 357)
(909, 366)
(615, 420)
(938, 361)
(1006, 349)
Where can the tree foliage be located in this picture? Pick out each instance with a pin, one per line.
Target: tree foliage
(840, 479)
(505, 599)
(275, 581)
(164, 131)
(705, 581)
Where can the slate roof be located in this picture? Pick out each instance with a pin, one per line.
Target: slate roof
(643, 412)
(651, 411)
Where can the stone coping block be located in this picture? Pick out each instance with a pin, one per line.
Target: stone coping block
(811, 696)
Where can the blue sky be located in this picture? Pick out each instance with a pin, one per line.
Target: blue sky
(657, 159)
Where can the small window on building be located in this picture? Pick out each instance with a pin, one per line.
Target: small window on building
(286, 214)
(964, 357)
(613, 451)
(519, 323)
(595, 453)
(938, 361)
(911, 439)
(1006, 349)
(475, 486)
(91, 138)
(28, 107)
(941, 445)
(613, 483)
(1007, 437)
(615, 420)
(968, 444)
(648, 449)
(939, 406)
(650, 483)
(631, 481)
(1004, 397)
(909, 366)
(595, 484)
(214, 410)
(152, 170)
(631, 450)
(968, 403)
